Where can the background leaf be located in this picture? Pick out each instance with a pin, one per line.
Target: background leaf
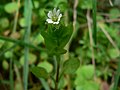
(39, 72)
(71, 65)
(46, 65)
(11, 7)
(32, 59)
(86, 71)
(84, 79)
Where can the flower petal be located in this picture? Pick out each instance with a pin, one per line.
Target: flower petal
(55, 22)
(54, 16)
(58, 12)
(59, 17)
(49, 21)
(50, 14)
(54, 11)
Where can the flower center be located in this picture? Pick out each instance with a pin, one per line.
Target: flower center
(54, 18)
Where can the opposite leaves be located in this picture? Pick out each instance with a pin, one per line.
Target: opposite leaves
(56, 39)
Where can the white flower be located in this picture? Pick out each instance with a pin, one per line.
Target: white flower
(54, 16)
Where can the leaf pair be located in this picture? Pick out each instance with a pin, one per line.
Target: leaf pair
(69, 67)
(56, 39)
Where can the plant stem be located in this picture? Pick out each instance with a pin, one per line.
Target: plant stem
(94, 2)
(94, 12)
(45, 84)
(117, 76)
(57, 74)
(11, 75)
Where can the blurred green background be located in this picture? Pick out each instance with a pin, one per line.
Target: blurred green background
(79, 12)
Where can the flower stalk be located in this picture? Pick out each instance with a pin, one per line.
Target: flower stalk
(57, 72)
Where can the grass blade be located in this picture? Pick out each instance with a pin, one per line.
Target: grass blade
(27, 15)
(20, 42)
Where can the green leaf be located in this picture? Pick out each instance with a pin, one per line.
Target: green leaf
(56, 38)
(22, 22)
(11, 7)
(79, 88)
(1, 43)
(62, 83)
(58, 51)
(113, 53)
(39, 72)
(71, 65)
(85, 4)
(61, 51)
(46, 65)
(89, 85)
(86, 71)
(44, 55)
(38, 39)
(64, 35)
(80, 80)
(36, 4)
(8, 54)
(84, 79)
(114, 13)
(50, 42)
(5, 65)
(32, 59)
(4, 23)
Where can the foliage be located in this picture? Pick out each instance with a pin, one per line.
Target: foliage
(44, 39)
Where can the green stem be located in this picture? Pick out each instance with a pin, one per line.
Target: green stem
(11, 60)
(94, 21)
(57, 72)
(28, 15)
(11, 75)
(117, 76)
(45, 84)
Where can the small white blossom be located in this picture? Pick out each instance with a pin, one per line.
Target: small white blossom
(54, 16)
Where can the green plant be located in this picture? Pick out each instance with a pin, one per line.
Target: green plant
(56, 37)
